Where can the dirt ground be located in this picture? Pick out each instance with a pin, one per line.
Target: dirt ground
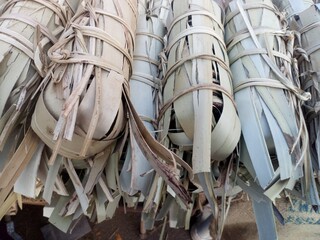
(240, 225)
(29, 221)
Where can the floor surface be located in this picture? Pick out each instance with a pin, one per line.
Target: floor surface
(302, 224)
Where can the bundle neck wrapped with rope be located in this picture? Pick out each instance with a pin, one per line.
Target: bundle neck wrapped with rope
(307, 50)
(84, 89)
(274, 148)
(199, 115)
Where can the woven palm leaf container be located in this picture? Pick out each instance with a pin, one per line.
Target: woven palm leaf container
(274, 146)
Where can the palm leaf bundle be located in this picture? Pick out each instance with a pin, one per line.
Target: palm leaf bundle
(27, 30)
(274, 147)
(82, 50)
(304, 68)
(306, 23)
(81, 115)
(144, 94)
(199, 114)
(137, 175)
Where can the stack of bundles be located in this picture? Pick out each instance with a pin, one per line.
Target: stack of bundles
(307, 25)
(199, 114)
(80, 113)
(27, 30)
(274, 148)
(136, 174)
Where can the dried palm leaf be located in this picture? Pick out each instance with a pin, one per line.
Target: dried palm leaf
(10, 205)
(308, 52)
(199, 114)
(84, 91)
(155, 8)
(144, 94)
(149, 36)
(160, 8)
(2, 3)
(80, 113)
(15, 166)
(28, 29)
(292, 7)
(260, 61)
(187, 80)
(303, 68)
(274, 147)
